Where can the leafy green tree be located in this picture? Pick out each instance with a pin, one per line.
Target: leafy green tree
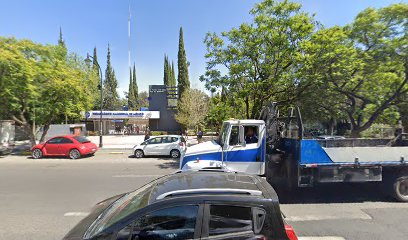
(143, 99)
(39, 85)
(218, 111)
(359, 71)
(110, 94)
(183, 78)
(192, 109)
(260, 59)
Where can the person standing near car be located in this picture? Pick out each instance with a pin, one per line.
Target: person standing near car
(147, 134)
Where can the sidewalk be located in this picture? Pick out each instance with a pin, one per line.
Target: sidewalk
(128, 141)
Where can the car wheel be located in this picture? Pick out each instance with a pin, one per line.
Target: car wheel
(400, 189)
(139, 154)
(37, 153)
(175, 153)
(74, 154)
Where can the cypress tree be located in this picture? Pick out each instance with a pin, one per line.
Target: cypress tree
(111, 97)
(131, 97)
(135, 88)
(61, 41)
(95, 63)
(166, 71)
(183, 79)
(173, 75)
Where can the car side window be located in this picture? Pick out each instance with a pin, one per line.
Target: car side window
(65, 140)
(55, 140)
(234, 136)
(170, 223)
(168, 139)
(229, 219)
(155, 140)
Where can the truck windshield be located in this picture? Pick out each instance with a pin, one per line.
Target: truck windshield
(223, 134)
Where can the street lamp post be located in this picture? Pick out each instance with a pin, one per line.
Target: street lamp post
(88, 59)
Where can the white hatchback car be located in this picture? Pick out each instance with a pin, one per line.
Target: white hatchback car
(166, 145)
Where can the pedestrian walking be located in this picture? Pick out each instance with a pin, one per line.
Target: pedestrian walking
(200, 136)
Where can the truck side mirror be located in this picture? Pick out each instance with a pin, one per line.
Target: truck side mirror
(242, 136)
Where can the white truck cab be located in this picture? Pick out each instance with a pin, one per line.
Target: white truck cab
(240, 147)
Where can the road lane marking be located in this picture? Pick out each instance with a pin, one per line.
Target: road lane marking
(76, 214)
(135, 176)
(322, 238)
(116, 152)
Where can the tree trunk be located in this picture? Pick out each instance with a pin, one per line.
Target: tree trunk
(356, 133)
(31, 133)
(45, 131)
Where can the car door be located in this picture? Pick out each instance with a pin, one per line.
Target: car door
(165, 146)
(65, 146)
(152, 146)
(176, 222)
(240, 156)
(229, 222)
(52, 146)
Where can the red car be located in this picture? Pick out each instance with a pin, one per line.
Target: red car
(71, 146)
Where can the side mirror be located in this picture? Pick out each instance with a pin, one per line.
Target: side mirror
(242, 136)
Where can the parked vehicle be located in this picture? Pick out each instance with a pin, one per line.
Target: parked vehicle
(330, 137)
(279, 152)
(7, 133)
(189, 205)
(70, 146)
(166, 145)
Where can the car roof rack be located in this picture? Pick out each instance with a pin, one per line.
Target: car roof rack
(210, 191)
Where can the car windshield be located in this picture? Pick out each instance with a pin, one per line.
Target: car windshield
(81, 139)
(223, 133)
(121, 208)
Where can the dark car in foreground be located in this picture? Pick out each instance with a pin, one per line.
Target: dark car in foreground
(68, 146)
(189, 205)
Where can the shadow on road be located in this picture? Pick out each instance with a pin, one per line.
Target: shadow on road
(335, 193)
(169, 163)
(164, 162)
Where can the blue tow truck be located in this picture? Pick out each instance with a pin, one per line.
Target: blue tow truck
(279, 151)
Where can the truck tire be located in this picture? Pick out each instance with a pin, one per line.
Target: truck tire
(400, 188)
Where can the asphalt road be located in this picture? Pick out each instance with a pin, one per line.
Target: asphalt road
(43, 199)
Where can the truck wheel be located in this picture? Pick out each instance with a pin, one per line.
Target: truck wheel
(400, 189)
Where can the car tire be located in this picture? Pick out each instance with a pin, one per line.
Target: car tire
(400, 189)
(175, 153)
(139, 154)
(37, 153)
(74, 154)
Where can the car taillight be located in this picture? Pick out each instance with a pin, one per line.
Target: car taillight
(290, 232)
(181, 144)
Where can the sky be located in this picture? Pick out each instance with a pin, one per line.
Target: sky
(154, 28)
